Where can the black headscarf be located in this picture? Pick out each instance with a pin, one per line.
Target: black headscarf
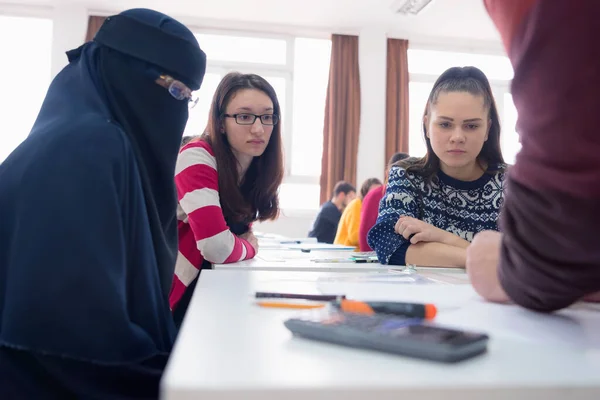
(152, 121)
(88, 236)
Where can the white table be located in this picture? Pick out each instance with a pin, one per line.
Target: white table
(229, 348)
(306, 246)
(282, 260)
(273, 241)
(263, 236)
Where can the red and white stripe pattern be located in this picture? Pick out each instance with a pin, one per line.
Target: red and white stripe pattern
(203, 233)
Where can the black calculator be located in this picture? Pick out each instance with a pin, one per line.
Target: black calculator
(391, 334)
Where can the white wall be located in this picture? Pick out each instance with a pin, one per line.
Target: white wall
(372, 59)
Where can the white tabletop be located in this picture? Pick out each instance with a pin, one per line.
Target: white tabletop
(283, 260)
(273, 241)
(314, 261)
(300, 246)
(229, 348)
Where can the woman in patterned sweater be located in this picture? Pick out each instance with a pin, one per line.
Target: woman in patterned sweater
(434, 206)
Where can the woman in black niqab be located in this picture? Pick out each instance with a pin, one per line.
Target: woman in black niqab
(88, 235)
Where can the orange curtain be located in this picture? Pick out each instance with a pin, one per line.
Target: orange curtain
(342, 115)
(396, 120)
(94, 24)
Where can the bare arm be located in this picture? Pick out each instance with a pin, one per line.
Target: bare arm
(456, 241)
(436, 255)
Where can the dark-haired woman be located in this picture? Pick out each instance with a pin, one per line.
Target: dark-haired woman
(227, 179)
(434, 206)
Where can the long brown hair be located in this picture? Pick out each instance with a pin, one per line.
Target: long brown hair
(255, 198)
(470, 80)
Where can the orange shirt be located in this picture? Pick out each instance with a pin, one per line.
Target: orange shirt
(347, 232)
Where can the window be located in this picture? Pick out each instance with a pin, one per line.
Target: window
(424, 68)
(299, 196)
(418, 93)
(311, 67)
(511, 143)
(435, 62)
(26, 76)
(298, 70)
(198, 116)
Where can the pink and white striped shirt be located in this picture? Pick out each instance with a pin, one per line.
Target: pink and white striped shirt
(203, 232)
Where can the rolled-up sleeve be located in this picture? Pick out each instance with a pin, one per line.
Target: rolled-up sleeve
(550, 253)
(550, 256)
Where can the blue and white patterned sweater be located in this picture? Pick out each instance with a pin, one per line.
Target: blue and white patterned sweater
(462, 208)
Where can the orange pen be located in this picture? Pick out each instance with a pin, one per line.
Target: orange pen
(410, 310)
(296, 304)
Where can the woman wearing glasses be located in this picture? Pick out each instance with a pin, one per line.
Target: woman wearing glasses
(225, 180)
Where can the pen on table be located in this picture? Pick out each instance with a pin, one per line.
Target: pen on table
(365, 260)
(281, 303)
(332, 260)
(411, 310)
(344, 260)
(315, 297)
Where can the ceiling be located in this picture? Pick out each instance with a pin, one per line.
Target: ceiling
(466, 20)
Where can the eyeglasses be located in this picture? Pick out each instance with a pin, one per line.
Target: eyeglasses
(250, 119)
(177, 89)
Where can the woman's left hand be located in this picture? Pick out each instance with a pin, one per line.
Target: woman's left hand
(419, 230)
